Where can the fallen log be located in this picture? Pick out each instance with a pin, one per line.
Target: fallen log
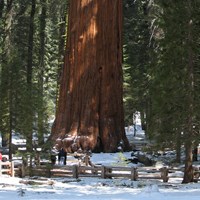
(33, 182)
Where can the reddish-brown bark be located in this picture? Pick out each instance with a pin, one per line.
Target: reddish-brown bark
(90, 107)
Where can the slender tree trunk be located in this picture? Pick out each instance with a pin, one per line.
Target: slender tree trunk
(1, 8)
(41, 106)
(29, 119)
(6, 81)
(178, 147)
(188, 173)
(90, 108)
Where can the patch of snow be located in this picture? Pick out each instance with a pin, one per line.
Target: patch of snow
(97, 188)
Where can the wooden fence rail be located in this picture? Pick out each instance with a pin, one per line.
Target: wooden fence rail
(101, 171)
(7, 167)
(104, 172)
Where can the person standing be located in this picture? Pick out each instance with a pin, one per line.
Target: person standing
(0, 156)
(62, 157)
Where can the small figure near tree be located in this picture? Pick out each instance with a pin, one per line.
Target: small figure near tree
(0, 156)
(62, 157)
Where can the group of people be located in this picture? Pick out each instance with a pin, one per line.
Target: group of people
(62, 157)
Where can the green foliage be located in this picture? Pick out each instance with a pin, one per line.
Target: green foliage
(172, 94)
(26, 108)
(136, 57)
(121, 160)
(161, 68)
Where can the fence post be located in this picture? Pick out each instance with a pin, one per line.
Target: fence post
(23, 172)
(103, 172)
(164, 174)
(75, 171)
(12, 169)
(86, 160)
(49, 171)
(109, 172)
(134, 174)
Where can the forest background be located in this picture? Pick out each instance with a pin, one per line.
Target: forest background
(160, 64)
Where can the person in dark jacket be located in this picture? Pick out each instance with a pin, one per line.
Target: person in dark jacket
(0, 156)
(62, 157)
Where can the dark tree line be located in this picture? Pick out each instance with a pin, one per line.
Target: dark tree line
(31, 53)
(171, 77)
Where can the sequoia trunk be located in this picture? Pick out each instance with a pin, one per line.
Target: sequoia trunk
(90, 108)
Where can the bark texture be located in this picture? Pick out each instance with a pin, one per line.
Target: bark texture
(90, 107)
(189, 140)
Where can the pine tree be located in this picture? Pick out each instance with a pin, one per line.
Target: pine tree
(6, 78)
(136, 57)
(174, 105)
(24, 99)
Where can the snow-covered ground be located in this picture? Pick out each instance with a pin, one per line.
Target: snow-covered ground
(92, 189)
(97, 188)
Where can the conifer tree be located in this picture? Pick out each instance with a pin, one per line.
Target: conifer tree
(137, 49)
(90, 108)
(6, 78)
(22, 111)
(174, 102)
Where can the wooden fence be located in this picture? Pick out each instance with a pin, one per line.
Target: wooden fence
(7, 168)
(76, 171)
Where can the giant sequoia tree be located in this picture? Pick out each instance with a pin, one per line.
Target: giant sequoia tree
(90, 108)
